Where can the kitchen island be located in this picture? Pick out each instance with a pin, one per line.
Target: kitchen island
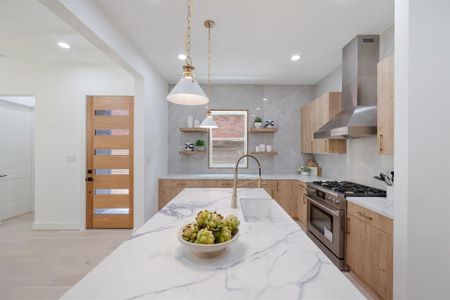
(271, 260)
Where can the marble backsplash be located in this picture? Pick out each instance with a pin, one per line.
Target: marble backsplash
(282, 105)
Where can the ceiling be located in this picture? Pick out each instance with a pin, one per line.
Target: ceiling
(30, 32)
(253, 39)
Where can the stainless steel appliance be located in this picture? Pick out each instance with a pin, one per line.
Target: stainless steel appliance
(327, 209)
(358, 116)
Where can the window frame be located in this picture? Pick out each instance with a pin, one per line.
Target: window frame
(244, 162)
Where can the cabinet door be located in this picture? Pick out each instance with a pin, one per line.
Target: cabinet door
(369, 255)
(306, 128)
(385, 105)
(285, 196)
(270, 187)
(321, 117)
(356, 245)
(379, 257)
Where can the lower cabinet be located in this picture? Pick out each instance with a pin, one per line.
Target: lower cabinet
(283, 191)
(302, 205)
(369, 249)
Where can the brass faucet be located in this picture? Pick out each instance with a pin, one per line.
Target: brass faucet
(234, 196)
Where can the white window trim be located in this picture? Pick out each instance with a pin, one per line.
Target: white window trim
(244, 162)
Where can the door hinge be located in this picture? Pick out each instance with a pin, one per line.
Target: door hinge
(89, 179)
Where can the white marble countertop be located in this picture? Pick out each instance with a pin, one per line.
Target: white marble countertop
(380, 205)
(243, 176)
(269, 261)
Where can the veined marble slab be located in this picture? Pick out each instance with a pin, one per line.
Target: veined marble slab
(380, 205)
(269, 261)
(243, 176)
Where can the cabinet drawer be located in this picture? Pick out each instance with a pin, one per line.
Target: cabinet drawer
(370, 217)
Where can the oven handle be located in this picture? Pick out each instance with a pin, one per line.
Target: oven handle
(336, 212)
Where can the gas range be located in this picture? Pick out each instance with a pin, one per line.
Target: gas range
(350, 189)
(334, 192)
(327, 210)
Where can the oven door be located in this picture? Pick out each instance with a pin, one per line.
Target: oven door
(327, 224)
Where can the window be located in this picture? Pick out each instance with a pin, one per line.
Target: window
(228, 142)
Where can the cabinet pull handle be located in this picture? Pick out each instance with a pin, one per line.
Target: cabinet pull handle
(364, 216)
(348, 225)
(304, 200)
(381, 142)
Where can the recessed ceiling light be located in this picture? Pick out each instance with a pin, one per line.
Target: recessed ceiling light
(264, 99)
(181, 56)
(64, 45)
(295, 57)
(258, 108)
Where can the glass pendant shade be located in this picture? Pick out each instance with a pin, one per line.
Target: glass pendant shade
(209, 122)
(188, 91)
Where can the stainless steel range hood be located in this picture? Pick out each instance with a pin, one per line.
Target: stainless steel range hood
(358, 117)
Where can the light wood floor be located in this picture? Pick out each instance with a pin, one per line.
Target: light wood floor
(45, 264)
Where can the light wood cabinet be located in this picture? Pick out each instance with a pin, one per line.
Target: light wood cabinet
(302, 205)
(285, 195)
(385, 105)
(369, 249)
(283, 191)
(313, 116)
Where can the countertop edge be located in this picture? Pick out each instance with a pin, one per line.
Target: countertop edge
(379, 210)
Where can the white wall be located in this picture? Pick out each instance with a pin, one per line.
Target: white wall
(60, 92)
(150, 124)
(422, 202)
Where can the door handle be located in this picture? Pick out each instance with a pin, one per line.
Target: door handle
(89, 179)
(3, 175)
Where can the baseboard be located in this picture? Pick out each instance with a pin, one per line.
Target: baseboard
(56, 226)
(14, 209)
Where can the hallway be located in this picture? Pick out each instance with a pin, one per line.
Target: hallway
(44, 264)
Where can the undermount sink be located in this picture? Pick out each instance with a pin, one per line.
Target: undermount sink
(260, 210)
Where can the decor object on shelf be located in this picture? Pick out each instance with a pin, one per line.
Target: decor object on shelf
(190, 121)
(257, 149)
(189, 146)
(209, 122)
(196, 123)
(269, 124)
(258, 122)
(304, 170)
(269, 148)
(188, 91)
(210, 234)
(262, 147)
(200, 145)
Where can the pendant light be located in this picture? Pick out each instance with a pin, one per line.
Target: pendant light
(209, 122)
(188, 91)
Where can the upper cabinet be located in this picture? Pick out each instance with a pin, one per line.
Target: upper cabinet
(385, 105)
(313, 116)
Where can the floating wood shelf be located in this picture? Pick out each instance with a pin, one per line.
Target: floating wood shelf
(265, 153)
(185, 152)
(197, 129)
(263, 130)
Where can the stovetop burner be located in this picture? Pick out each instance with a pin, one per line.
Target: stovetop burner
(350, 189)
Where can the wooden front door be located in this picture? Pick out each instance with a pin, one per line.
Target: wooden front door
(109, 178)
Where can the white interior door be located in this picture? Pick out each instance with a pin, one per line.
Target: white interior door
(16, 148)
